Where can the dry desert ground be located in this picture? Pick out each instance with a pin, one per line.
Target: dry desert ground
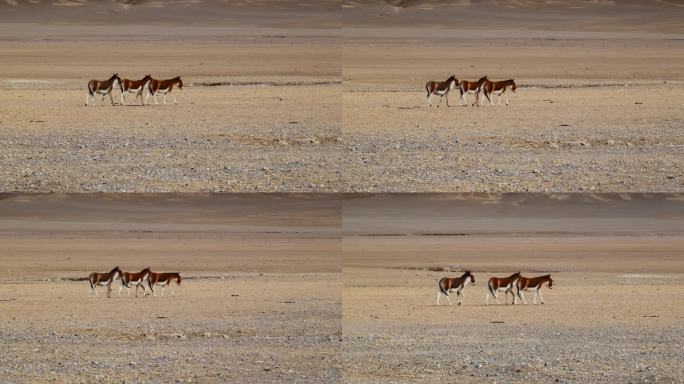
(583, 118)
(259, 111)
(259, 299)
(614, 313)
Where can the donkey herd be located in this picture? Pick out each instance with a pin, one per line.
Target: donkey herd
(483, 86)
(129, 279)
(154, 87)
(513, 284)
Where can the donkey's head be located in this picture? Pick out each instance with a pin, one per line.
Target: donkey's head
(467, 274)
(116, 271)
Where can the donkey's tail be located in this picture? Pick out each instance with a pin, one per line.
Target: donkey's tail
(441, 287)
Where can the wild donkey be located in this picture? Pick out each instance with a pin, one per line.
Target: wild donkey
(103, 279)
(505, 284)
(454, 285)
(103, 88)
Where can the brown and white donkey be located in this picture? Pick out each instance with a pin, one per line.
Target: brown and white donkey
(454, 285)
(163, 280)
(103, 279)
(163, 86)
(468, 87)
(137, 279)
(103, 88)
(491, 88)
(533, 284)
(505, 284)
(134, 86)
(440, 88)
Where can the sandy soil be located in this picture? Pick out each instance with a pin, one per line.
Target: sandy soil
(583, 118)
(216, 139)
(259, 300)
(612, 315)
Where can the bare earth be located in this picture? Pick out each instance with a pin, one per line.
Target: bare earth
(259, 300)
(260, 110)
(613, 315)
(589, 118)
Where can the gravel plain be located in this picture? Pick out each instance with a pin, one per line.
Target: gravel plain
(582, 119)
(614, 313)
(259, 299)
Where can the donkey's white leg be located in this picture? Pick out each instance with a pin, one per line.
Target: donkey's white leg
(174, 99)
(162, 292)
(449, 298)
(521, 293)
(541, 297)
(173, 293)
(439, 295)
(487, 299)
(534, 301)
(428, 100)
(111, 98)
(507, 100)
(165, 98)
